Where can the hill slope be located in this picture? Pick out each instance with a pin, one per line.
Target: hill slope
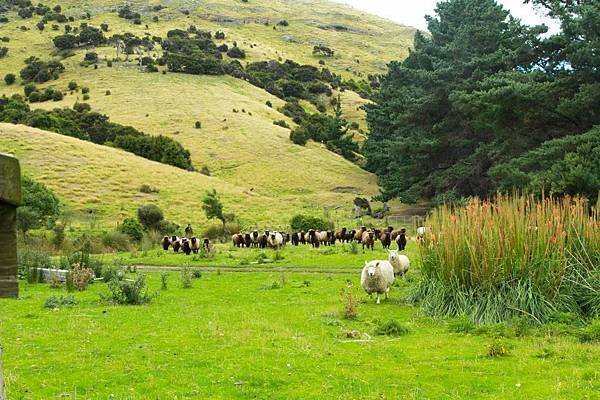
(107, 181)
(238, 142)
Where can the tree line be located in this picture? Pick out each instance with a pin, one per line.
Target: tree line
(485, 103)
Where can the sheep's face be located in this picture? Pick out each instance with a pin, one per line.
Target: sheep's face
(272, 236)
(173, 238)
(394, 256)
(371, 271)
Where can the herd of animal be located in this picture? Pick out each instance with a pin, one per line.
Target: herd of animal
(316, 238)
(186, 245)
(377, 276)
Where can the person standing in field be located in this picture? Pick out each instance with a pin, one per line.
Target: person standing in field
(189, 232)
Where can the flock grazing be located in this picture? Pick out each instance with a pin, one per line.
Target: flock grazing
(186, 245)
(377, 276)
(316, 238)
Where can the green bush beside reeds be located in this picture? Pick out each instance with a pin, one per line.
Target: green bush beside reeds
(515, 256)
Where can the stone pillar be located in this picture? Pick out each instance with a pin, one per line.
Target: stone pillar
(10, 198)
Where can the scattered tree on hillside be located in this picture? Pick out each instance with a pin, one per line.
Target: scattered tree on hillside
(150, 216)
(40, 208)
(212, 206)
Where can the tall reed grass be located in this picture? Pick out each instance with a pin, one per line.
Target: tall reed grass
(514, 256)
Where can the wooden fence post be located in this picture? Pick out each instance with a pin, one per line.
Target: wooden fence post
(10, 199)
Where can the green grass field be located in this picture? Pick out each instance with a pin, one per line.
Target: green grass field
(237, 335)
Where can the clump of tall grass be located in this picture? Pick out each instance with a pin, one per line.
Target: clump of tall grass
(511, 257)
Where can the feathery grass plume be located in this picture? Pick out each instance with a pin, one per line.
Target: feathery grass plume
(514, 256)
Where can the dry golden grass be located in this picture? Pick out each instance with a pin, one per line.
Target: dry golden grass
(245, 153)
(107, 180)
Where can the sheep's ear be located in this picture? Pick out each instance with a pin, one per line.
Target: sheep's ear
(377, 265)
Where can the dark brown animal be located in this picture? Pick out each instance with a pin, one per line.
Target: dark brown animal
(341, 235)
(401, 239)
(165, 243)
(186, 247)
(386, 239)
(238, 240)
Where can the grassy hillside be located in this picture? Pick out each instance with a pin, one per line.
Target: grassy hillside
(106, 180)
(243, 150)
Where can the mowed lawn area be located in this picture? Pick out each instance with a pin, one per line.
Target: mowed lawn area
(274, 335)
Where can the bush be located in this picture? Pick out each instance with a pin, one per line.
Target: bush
(236, 52)
(168, 228)
(128, 292)
(9, 79)
(86, 97)
(35, 97)
(117, 240)
(60, 301)
(148, 189)
(150, 216)
(198, 125)
(497, 348)
(28, 260)
(28, 89)
(282, 123)
(304, 223)
(186, 277)
(269, 104)
(57, 95)
(81, 276)
(41, 71)
(205, 170)
(132, 228)
(85, 90)
(82, 107)
(391, 328)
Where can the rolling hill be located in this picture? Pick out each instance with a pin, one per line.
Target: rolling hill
(264, 177)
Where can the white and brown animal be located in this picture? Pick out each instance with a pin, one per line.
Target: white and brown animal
(175, 243)
(368, 240)
(421, 232)
(275, 240)
(400, 263)
(195, 244)
(377, 277)
(359, 234)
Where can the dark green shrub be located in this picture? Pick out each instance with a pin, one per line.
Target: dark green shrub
(282, 123)
(72, 85)
(60, 301)
(35, 97)
(85, 90)
(150, 216)
(86, 97)
(28, 260)
(132, 228)
(29, 88)
(9, 79)
(57, 95)
(304, 223)
(82, 107)
(299, 136)
(236, 52)
(198, 125)
(127, 292)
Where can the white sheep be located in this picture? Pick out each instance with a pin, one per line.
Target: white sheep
(377, 277)
(399, 262)
(275, 240)
(421, 231)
